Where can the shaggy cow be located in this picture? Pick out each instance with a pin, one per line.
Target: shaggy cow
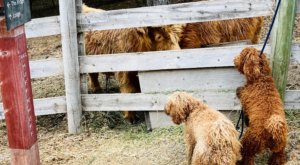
(129, 40)
(196, 35)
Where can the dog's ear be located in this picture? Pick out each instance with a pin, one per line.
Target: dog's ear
(179, 106)
(175, 112)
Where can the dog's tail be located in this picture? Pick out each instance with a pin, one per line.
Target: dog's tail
(276, 126)
(224, 146)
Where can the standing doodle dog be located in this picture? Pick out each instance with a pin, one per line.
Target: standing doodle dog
(263, 107)
(211, 138)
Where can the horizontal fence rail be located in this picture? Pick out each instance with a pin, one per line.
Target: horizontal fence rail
(45, 106)
(155, 16)
(145, 102)
(41, 27)
(204, 79)
(98, 21)
(188, 58)
(175, 14)
(46, 68)
(164, 60)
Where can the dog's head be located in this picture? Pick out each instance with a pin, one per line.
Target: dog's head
(251, 65)
(179, 105)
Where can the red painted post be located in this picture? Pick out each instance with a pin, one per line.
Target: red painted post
(16, 93)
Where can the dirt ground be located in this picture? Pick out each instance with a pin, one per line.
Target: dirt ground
(124, 144)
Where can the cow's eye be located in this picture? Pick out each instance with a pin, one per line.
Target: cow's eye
(158, 37)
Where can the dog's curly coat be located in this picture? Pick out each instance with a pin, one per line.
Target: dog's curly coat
(211, 138)
(263, 107)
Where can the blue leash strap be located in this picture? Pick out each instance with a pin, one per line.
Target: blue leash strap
(270, 29)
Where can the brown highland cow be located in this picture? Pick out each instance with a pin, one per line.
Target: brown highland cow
(197, 35)
(126, 41)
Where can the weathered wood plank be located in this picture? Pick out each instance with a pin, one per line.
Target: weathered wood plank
(46, 68)
(102, 63)
(54, 67)
(144, 102)
(46, 106)
(281, 44)
(153, 16)
(68, 24)
(295, 58)
(159, 119)
(41, 27)
(150, 102)
(292, 99)
(175, 14)
(212, 79)
(163, 60)
(81, 50)
(156, 102)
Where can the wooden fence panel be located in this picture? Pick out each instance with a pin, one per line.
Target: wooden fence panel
(41, 27)
(145, 102)
(207, 79)
(192, 58)
(46, 68)
(71, 65)
(164, 60)
(46, 106)
(156, 101)
(175, 14)
(154, 16)
(136, 61)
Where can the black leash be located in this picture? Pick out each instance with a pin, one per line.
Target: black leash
(2, 12)
(241, 117)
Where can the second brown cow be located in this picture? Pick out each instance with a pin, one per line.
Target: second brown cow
(197, 35)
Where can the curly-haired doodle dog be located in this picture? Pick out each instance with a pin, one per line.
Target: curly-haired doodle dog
(211, 137)
(263, 107)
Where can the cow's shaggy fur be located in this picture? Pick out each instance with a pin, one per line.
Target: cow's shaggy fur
(125, 41)
(211, 137)
(196, 35)
(263, 107)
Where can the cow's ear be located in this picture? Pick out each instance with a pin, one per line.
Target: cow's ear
(142, 30)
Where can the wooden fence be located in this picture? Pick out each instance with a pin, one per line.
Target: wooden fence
(206, 72)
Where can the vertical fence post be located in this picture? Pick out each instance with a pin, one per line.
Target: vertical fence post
(17, 98)
(281, 43)
(149, 116)
(68, 27)
(81, 49)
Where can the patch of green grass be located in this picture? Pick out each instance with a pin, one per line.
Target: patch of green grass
(292, 114)
(139, 132)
